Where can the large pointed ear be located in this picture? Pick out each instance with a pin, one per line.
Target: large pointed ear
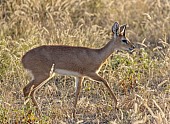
(123, 29)
(115, 28)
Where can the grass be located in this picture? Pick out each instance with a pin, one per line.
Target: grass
(140, 80)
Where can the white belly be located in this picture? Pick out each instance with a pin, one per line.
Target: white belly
(66, 72)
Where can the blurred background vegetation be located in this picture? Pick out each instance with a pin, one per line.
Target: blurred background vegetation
(141, 81)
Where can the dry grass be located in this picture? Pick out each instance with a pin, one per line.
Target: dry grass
(141, 81)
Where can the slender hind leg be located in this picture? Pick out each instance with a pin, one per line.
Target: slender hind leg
(31, 88)
(78, 87)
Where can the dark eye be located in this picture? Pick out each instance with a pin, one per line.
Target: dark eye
(124, 41)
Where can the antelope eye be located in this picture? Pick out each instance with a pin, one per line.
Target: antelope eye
(124, 41)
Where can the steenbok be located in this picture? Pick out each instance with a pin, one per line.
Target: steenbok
(79, 62)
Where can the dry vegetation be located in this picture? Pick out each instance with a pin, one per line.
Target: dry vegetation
(141, 81)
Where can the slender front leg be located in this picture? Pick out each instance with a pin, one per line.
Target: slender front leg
(96, 77)
(78, 81)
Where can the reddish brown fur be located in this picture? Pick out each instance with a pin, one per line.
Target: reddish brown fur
(85, 61)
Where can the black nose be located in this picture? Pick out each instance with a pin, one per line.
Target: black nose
(131, 49)
(133, 46)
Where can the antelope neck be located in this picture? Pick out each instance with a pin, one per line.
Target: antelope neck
(107, 50)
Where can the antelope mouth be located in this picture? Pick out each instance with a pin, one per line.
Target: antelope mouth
(131, 50)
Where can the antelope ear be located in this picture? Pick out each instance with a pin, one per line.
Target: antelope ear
(123, 29)
(115, 28)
